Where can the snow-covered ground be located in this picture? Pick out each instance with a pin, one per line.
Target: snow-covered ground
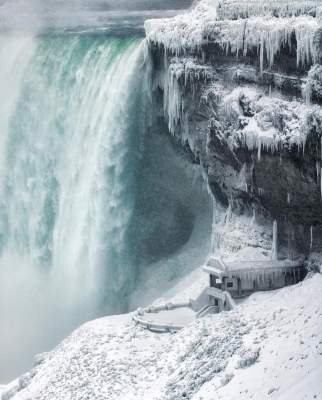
(179, 316)
(269, 347)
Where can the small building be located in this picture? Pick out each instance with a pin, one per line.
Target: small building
(242, 278)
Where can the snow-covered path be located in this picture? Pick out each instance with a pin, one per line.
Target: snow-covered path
(269, 347)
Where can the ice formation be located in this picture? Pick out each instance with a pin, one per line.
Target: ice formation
(276, 122)
(188, 32)
(172, 78)
(268, 36)
(234, 9)
(311, 238)
(313, 84)
(185, 31)
(289, 199)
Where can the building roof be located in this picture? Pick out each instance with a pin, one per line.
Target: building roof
(217, 266)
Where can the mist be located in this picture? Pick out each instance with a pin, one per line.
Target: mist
(95, 16)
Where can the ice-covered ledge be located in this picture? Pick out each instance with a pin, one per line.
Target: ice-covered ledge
(185, 31)
(234, 9)
(267, 35)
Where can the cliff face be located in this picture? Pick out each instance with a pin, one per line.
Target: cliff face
(240, 87)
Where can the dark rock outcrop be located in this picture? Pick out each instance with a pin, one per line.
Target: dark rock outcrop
(247, 124)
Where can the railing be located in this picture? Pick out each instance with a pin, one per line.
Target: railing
(167, 307)
(207, 310)
(216, 293)
(138, 316)
(157, 326)
(229, 301)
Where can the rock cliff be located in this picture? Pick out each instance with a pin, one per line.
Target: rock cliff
(239, 84)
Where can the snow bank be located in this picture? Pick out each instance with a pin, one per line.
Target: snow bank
(285, 329)
(275, 337)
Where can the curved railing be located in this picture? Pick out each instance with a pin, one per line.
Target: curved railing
(138, 316)
(158, 326)
(207, 310)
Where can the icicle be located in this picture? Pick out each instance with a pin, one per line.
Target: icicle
(261, 192)
(318, 170)
(321, 168)
(311, 241)
(275, 242)
(229, 213)
(307, 92)
(253, 220)
(261, 56)
(289, 247)
(215, 236)
(289, 199)
(259, 149)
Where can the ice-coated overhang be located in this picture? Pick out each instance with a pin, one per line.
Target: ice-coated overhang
(234, 9)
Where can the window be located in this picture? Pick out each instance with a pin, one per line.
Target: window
(230, 284)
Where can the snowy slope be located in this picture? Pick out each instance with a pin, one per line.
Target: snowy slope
(286, 328)
(269, 347)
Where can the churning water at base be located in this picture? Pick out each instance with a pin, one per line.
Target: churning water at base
(71, 122)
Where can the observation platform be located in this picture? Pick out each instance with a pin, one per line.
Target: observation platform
(170, 317)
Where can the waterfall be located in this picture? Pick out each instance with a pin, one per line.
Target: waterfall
(71, 120)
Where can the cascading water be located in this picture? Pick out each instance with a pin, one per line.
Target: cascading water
(71, 122)
(98, 210)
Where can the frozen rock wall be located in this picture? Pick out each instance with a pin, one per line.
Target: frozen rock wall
(239, 85)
